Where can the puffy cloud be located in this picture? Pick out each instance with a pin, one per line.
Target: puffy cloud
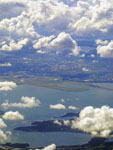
(96, 121)
(57, 106)
(62, 42)
(54, 25)
(105, 49)
(50, 147)
(82, 56)
(6, 65)
(57, 122)
(27, 102)
(62, 100)
(92, 55)
(99, 41)
(7, 86)
(41, 52)
(85, 69)
(17, 28)
(72, 108)
(43, 42)
(13, 46)
(4, 137)
(79, 18)
(93, 17)
(10, 115)
(2, 124)
(66, 122)
(16, 32)
(65, 41)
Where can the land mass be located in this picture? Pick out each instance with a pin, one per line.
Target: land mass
(71, 114)
(27, 64)
(47, 126)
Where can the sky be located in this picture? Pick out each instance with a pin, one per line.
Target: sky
(56, 25)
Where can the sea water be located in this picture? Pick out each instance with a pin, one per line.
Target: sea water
(96, 97)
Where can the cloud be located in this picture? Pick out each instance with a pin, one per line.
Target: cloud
(16, 32)
(92, 55)
(50, 147)
(62, 42)
(105, 49)
(72, 108)
(85, 69)
(66, 122)
(43, 42)
(27, 102)
(57, 106)
(10, 115)
(33, 20)
(62, 100)
(96, 121)
(6, 65)
(19, 27)
(13, 45)
(93, 17)
(82, 55)
(41, 52)
(4, 137)
(55, 25)
(2, 124)
(57, 122)
(99, 41)
(7, 86)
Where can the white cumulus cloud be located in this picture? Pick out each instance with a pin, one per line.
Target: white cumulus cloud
(50, 147)
(99, 41)
(57, 122)
(66, 122)
(10, 115)
(57, 106)
(62, 42)
(6, 65)
(13, 45)
(72, 108)
(105, 49)
(27, 102)
(7, 86)
(2, 124)
(96, 121)
(85, 69)
(4, 136)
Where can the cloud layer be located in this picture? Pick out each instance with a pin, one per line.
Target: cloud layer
(53, 24)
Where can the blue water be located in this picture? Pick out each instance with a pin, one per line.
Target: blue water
(93, 97)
